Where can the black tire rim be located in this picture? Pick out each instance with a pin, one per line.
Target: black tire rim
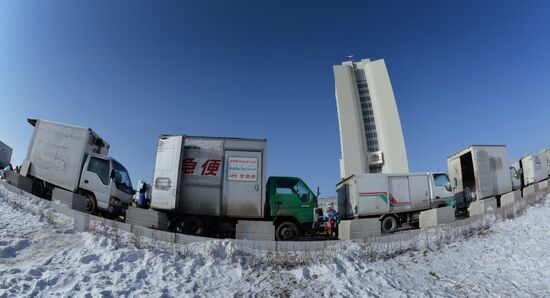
(287, 232)
(90, 204)
(389, 225)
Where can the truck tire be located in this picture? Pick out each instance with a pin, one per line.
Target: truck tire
(193, 225)
(287, 231)
(91, 203)
(389, 224)
(37, 188)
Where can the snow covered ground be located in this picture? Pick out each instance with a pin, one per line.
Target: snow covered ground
(40, 255)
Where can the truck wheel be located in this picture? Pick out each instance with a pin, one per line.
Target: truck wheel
(287, 231)
(91, 203)
(193, 225)
(37, 188)
(389, 224)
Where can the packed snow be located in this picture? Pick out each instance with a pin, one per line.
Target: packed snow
(41, 255)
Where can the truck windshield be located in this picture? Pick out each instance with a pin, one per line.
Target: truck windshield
(301, 189)
(442, 180)
(122, 179)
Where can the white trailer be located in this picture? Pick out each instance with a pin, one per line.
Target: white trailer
(5, 155)
(534, 168)
(76, 159)
(478, 172)
(209, 178)
(197, 185)
(395, 199)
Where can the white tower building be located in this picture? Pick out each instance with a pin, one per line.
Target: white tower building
(370, 130)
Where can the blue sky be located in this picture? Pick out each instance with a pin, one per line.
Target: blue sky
(463, 72)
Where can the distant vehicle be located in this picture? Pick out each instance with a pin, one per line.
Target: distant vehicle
(5, 155)
(76, 159)
(478, 172)
(546, 153)
(534, 167)
(396, 199)
(206, 184)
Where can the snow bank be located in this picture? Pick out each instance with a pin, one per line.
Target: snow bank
(40, 255)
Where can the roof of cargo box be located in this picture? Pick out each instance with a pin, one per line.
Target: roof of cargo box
(475, 145)
(34, 121)
(216, 138)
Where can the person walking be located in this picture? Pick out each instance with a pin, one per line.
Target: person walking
(142, 197)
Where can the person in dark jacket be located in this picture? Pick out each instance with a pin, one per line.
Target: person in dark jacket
(143, 201)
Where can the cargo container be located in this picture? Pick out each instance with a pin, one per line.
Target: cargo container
(396, 199)
(206, 184)
(546, 153)
(76, 159)
(5, 155)
(478, 172)
(534, 168)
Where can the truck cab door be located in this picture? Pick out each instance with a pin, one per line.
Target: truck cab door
(96, 179)
(293, 198)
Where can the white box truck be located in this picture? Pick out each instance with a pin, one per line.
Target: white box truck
(534, 168)
(5, 155)
(478, 172)
(546, 153)
(76, 159)
(395, 199)
(206, 184)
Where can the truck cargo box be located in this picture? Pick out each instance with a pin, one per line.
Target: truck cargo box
(480, 171)
(57, 152)
(365, 195)
(5, 155)
(210, 176)
(535, 168)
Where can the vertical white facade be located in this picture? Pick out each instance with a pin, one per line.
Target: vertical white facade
(371, 137)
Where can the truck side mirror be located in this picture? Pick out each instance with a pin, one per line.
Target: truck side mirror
(112, 175)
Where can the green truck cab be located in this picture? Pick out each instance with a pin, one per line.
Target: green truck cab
(292, 207)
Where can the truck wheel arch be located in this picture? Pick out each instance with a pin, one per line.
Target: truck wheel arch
(279, 220)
